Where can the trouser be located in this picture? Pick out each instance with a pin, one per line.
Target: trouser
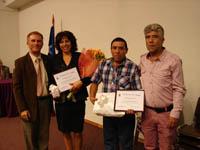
(156, 133)
(118, 132)
(36, 133)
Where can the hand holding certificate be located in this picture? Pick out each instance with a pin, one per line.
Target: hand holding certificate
(65, 78)
(126, 100)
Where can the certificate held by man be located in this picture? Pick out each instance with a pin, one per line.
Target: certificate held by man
(125, 100)
(65, 78)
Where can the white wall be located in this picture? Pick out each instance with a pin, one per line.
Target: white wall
(95, 23)
(9, 39)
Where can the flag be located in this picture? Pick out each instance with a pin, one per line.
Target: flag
(51, 39)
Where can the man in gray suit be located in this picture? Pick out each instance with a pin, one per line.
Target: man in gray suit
(32, 97)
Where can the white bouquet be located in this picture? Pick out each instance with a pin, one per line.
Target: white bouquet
(104, 106)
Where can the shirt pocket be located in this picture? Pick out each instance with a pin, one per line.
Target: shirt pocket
(124, 82)
(163, 74)
(163, 77)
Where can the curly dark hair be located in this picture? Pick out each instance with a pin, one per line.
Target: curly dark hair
(71, 38)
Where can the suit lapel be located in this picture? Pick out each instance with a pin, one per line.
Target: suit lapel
(30, 65)
(44, 61)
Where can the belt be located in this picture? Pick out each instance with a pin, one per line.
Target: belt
(161, 109)
(43, 97)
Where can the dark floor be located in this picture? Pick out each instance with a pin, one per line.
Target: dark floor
(11, 136)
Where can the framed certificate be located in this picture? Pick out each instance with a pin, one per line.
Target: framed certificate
(65, 78)
(131, 99)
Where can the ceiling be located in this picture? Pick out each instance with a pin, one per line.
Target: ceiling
(17, 4)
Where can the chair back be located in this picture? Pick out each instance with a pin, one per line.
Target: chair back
(197, 115)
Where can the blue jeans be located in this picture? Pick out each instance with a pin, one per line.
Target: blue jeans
(118, 132)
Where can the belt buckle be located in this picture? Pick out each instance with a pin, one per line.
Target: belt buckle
(159, 110)
(166, 109)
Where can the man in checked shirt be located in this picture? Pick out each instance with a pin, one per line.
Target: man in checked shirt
(163, 84)
(117, 72)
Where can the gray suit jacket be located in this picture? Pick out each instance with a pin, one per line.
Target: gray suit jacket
(25, 84)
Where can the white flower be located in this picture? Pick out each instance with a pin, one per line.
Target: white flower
(54, 90)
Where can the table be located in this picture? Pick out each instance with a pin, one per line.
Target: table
(7, 102)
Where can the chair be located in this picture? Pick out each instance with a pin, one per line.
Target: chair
(138, 144)
(10, 75)
(189, 135)
(197, 115)
(136, 132)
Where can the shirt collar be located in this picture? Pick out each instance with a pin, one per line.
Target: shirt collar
(121, 64)
(34, 57)
(158, 58)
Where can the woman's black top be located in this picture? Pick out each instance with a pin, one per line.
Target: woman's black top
(60, 66)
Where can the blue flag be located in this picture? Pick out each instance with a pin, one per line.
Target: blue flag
(51, 40)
